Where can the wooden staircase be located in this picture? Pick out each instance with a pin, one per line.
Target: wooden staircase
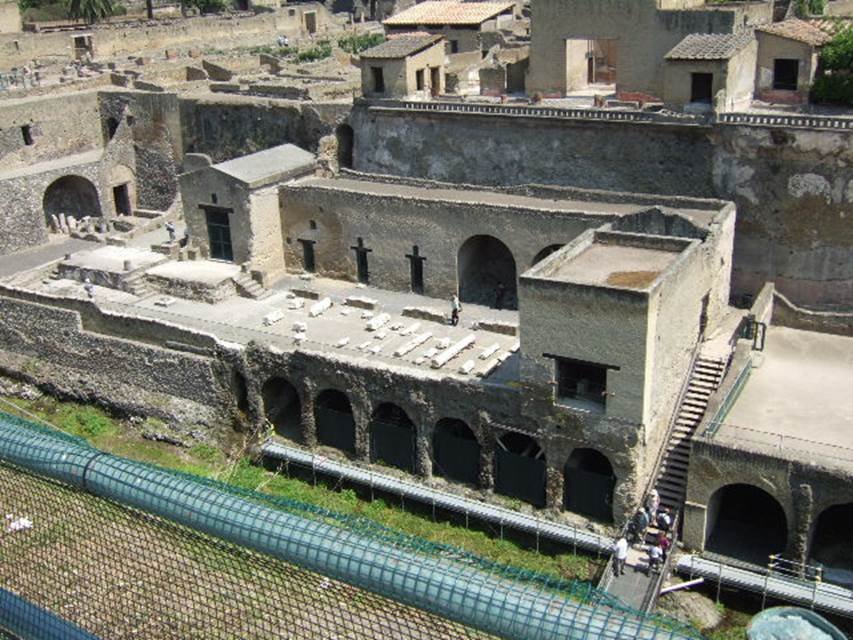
(671, 482)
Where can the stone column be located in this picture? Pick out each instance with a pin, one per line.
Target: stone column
(487, 460)
(361, 416)
(554, 487)
(798, 530)
(423, 444)
(309, 425)
(694, 516)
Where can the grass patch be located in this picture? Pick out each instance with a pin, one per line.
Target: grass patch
(108, 434)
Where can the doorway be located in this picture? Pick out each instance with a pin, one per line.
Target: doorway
(311, 22)
(121, 199)
(701, 87)
(219, 234)
(435, 81)
(785, 73)
(308, 261)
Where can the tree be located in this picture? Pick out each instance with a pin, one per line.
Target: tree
(90, 10)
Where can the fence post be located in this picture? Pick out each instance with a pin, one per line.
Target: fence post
(537, 534)
(720, 580)
(766, 580)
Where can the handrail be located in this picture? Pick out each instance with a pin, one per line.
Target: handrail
(726, 405)
(653, 591)
(780, 441)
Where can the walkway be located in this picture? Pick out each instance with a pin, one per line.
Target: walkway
(42, 255)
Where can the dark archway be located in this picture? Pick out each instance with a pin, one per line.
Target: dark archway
(547, 251)
(112, 127)
(346, 141)
(520, 468)
(746, 523)
(456, 452)
(334, 419)
(282, 408)
(486, 272)
(392, 437)
(589, 482)
(830, 546)
(71, 195)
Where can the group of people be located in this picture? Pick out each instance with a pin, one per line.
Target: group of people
(650, 512)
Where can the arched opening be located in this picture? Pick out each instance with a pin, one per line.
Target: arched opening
(282, 408)
(392, 437)
(547, 251)
(589, 482)
(520, 468)
(456, 452)
(112, 127)
(486, 271)
(345, 137)
(72, 195)
(334, 419)
(830, 546)
(746, 523)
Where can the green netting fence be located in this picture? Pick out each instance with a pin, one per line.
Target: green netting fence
(121, 572)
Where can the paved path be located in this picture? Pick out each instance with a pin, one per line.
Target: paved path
(38, 256)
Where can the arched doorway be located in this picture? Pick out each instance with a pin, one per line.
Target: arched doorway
(486, 272)
(547, 251)
(830, 545)
(392, 437)
(346, 139)
(72, 195)
(456, 452)
(282, 408)
(589, 482)
(520, 468)
(334, 419)
(746, 523)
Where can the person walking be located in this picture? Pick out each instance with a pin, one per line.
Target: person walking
(664, 543)
(455, 309)
(653, 501)
(170, 229)
(663, 520)
(620, 555)
(655, 557)
(89, 288)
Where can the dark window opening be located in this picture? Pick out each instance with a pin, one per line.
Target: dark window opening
(27, 134)
(121, 199)
(419, 80)
(416, 269)
(219, 234)
(312, 224)
(378, 79)
(345, 136)
(435, 81)
(701, 87)
(241, 393)
(361, 261)
(309, 264)
(581, 380)
(213, 198)
(785, 74)
(112, 127)
(311, 22)
(454, 46)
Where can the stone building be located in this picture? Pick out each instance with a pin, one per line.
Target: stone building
(461, 24)
(10, 17)
(631, 36)
(405, 66)
(231, 208)
(711, 71)
(787, 60)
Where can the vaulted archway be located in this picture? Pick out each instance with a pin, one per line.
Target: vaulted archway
(589, 483)
(334, 419)
(745, 522)
(72, 195)
(486, 272)
(392, 437)
(520, 468)
(282, 408)
(456, 452)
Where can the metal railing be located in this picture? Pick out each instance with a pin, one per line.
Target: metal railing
(728, 402)
(779, 442)
(651, 597)
(787, 120)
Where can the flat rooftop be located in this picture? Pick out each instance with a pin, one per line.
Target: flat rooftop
(615, 265)
(111, 259)
(798, 399)
(620, 206)
(269, 165)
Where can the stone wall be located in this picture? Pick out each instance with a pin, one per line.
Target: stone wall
(793, 187)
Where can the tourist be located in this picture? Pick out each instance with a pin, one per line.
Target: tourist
(639, 524)
(89, 288)
(170, 228)
(620, 555)
(282, 40)
(455, 309)
(500, 292)
(653, 501)
(664, 543)
(655, 557)
(663, 520)
(185, 241)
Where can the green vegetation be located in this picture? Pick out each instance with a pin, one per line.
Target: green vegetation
(90, 10)
(358, 43)
(835, 82)
(322, 50)
(53, 11)
(806, 8)
(207, 6)
(732, 627)
(109, 434)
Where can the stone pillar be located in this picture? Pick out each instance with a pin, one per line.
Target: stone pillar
(309, 425)
(695, 518)
(799, 529)
(554, 483)
(361, 416)
(423, 443)
(487, 460)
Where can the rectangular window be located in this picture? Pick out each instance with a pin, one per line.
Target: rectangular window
(578, 380)
(378, 79)
(419, 80)
(27, 134)
(701, 87)
(785, 74)
(454, 46)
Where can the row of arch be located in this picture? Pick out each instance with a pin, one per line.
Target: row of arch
(518, 464)
(748, 523)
